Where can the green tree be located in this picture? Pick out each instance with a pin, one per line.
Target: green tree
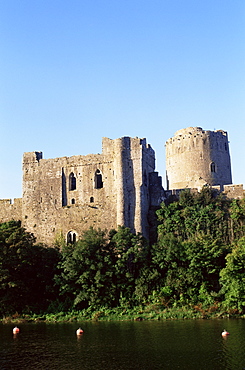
(86, 271)
(170, 260)
(192, 244)
(206, 257)
(100, 270)
(237, 219)
(232, 278)
(26, 271)
(131, 254)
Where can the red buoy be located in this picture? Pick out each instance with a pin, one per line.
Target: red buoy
(79, 331)
(16, 330)
(225, 333)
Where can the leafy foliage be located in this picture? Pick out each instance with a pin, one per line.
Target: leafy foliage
(232, 277)
(85, 270)
(192, 244)
(26, 270)
(197, 261)
(99, 271)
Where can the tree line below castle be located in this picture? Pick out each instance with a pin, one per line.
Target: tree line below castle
(197, 262)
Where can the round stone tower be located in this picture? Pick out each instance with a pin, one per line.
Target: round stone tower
(195, 157)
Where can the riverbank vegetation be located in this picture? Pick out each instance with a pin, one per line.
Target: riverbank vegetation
(195, 268)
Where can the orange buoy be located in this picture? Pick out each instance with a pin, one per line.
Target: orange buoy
(224, 333)
(16, 330)
(79, 331)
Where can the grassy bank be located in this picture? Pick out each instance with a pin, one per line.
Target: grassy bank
(151, 312)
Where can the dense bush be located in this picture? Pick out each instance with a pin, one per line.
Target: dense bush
(26, 271)
(103, 271)
(197, 261)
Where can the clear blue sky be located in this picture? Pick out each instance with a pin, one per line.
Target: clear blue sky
(74, 71)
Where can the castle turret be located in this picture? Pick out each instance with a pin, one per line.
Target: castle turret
(195, 157)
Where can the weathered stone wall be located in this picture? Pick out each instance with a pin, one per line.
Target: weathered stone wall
(68, 195)
(234, 191)
(50, 206)
(229, 191)
(195, 158)
(10, 210)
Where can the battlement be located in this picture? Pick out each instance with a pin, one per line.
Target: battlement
(15, 201)
(192, 132)
(10, 209)
(229, 191)
(234, 191)
(30, 157)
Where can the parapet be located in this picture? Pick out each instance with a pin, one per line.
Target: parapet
(234, 191)
(15, 201)
(193, 132)
(29, 157)
(110, 146)
(10, 210)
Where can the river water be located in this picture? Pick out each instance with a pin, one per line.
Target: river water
(189, 344)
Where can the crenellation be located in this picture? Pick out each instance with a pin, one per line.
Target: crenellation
(10, 209)
(234, 191)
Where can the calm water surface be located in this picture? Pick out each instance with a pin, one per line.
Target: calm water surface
(125, 345)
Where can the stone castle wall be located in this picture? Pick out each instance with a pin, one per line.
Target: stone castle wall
(234, 191)
(10, 210)
(195, 157)
(67, 195)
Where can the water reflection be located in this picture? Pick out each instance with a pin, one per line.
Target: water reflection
(124, 345)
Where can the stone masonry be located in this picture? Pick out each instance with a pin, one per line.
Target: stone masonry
(65, 196)
(195, 157)
(68, 195)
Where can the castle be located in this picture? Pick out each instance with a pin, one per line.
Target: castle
(195, 158)
(65, 196)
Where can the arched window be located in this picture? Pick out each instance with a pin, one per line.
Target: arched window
(98, 183)
(213, 167)
(73, 201)
(72, 182)
(91, 199)
(71, 237)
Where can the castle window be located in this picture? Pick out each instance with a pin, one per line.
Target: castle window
(98, 183)
(213, 167)
(73, 201)
(72, 182)
(91, 199)
(71, 237)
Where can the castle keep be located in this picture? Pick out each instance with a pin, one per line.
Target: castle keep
(65, 196)
(195, 158)
(68, 195)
